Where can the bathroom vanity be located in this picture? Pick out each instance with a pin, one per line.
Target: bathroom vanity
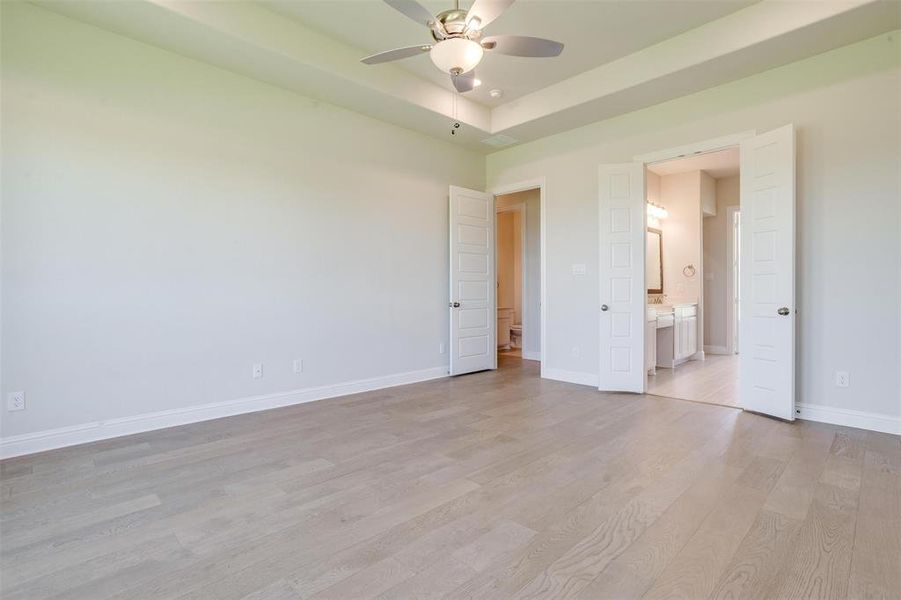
(671, 335)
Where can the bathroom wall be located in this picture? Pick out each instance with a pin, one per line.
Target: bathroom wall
(680, 195)
(708, 194)
(531, 310)
(652, 181)
(716, 236)
(509, 258)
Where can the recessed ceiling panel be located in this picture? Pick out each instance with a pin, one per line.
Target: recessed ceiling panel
(594, 32)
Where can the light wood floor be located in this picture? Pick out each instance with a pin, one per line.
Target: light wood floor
(714, 380)
(495, 485)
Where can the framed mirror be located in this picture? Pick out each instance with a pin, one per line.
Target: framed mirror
(654, 261)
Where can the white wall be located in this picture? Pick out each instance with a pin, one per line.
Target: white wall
(845, 106)
(716, 298)
(531, 311)
(166, 224)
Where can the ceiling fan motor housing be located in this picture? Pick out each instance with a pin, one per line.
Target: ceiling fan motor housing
(454, 22)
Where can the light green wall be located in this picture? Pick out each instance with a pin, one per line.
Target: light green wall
(845, 105)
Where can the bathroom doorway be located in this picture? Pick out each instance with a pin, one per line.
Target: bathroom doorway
(767, 274)
(693, 211)
(518, 273)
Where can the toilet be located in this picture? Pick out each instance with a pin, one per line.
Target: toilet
(516, 336)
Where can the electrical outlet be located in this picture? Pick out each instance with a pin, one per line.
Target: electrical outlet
(15, 401)
(576, 352)
(257, 370)
(441, 349)
(297, 365)
(842, 379)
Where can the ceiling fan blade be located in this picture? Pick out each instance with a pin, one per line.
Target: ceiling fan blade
(522, 45)
(464, 82)
(412, 9)
(486, 11)
(396, 54)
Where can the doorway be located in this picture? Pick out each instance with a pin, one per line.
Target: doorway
(473, 282)
(692, 208)
(766, 321)
(518, 268)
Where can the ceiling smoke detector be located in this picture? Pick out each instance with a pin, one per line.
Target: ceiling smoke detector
(496, 93)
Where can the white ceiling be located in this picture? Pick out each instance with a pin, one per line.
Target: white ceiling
(716, 164)
(593, 32)
(620, 55)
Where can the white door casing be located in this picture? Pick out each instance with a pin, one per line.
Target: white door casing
(621, 271)
(472, 282)
(767, 274)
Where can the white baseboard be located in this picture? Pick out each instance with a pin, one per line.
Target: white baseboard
(716, 350)
(570, 376)
(849, 418)
(531, 355)
(51, 439)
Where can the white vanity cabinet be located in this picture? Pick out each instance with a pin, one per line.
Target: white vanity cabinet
(685, 332)
(676, 335)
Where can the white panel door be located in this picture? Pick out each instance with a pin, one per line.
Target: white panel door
(767, 273)
(473, 317)
(621, 269)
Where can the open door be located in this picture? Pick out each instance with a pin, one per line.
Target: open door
(767, 274)
(623, 303)
(472, 282)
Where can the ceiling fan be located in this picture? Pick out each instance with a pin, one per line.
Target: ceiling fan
(459, 43)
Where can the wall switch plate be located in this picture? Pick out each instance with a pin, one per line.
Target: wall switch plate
(842, 379)
(257, 370)
(15, 401)
(297, 365)
(579, 269)
(441, 349)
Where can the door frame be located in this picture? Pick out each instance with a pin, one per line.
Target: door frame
(731, 211)
(684, 151)
(519, 207)
(540, 184)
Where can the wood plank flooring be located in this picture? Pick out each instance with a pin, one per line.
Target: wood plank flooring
(492, 485)
(713, 380)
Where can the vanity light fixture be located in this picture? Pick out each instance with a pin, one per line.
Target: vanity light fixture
(655, 213)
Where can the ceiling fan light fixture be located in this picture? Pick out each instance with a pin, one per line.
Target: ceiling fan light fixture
(458, 55)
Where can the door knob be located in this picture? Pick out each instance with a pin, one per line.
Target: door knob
(455, 305)
(604, 307)
(783, 311)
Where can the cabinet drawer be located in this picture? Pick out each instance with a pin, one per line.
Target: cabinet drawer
(686, 311)
(664, 321)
